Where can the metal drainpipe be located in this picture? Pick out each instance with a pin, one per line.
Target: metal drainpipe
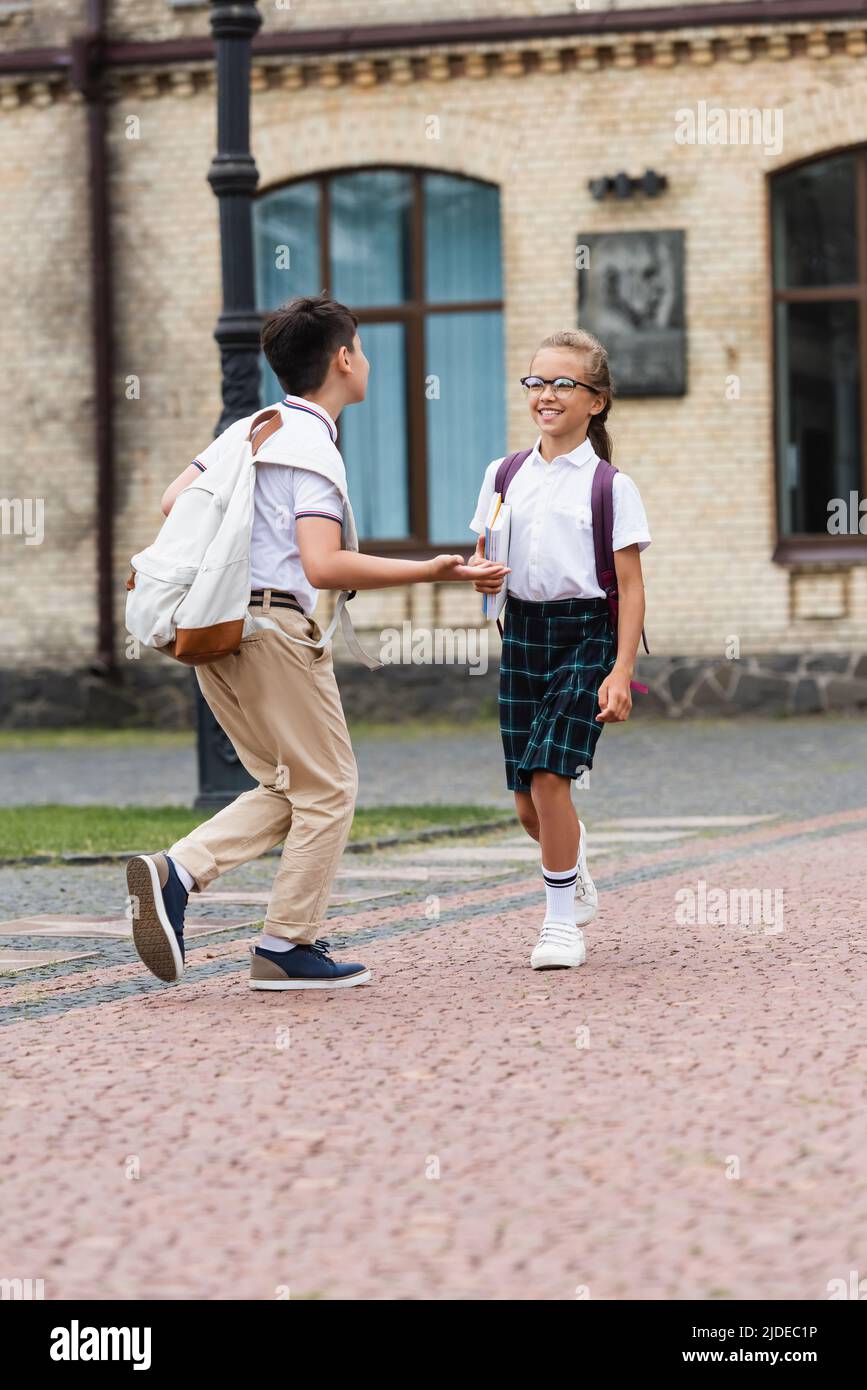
(88, 76)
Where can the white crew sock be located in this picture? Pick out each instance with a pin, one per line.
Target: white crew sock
(274, 943)
(186, 879)
(560, 892)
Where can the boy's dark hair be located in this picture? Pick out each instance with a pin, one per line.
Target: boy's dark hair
(300, 338)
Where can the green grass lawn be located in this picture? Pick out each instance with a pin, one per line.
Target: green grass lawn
(25, 740)
(26, 830)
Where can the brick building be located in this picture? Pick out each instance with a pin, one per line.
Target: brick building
(447, 176)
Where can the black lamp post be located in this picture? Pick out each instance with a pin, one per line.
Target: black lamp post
(233, 176)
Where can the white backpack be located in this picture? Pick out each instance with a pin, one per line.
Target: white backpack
(188, 593)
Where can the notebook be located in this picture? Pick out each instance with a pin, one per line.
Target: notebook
(497, 528)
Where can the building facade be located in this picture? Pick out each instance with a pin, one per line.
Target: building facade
(690, 182)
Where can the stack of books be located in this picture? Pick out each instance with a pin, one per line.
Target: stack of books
(497, 528)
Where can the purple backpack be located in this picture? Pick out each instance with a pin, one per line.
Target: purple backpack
(602, 511)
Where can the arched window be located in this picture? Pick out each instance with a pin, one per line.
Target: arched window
(819, 214)
(416, 256)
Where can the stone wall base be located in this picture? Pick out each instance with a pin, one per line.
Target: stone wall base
(162, 695)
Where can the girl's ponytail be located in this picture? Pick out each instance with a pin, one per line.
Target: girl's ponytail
(598, 434)
(598, 375)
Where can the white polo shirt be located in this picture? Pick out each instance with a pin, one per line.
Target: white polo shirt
(281, 496)
(551, 552)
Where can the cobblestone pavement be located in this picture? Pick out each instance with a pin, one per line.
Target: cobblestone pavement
(711, 766)
(683, 1117)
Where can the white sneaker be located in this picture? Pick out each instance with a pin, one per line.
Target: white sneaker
(586, 897)
(560, 946)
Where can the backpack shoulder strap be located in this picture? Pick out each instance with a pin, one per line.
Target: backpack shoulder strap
(602, 510)
(262, 427)
(507, 470)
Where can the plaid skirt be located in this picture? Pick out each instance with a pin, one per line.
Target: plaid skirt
(555, 657)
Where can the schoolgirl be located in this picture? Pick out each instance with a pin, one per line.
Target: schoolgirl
(564, 672)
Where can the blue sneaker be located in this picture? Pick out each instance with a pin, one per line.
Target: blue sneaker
(158, 900)
(304, 967)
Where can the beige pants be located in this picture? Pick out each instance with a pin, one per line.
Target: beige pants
(279, 704)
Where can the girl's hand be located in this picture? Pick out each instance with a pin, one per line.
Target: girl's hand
(444, 568)
(615, 699)
(484, 583)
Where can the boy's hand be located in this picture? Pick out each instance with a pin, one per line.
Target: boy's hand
(478, 556)
(615, 699)
(480, 572)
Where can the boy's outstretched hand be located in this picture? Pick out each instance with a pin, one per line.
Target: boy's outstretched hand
(486, 577)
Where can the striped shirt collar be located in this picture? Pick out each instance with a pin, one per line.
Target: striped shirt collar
(311, 408)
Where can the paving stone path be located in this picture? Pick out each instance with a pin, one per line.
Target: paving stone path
(682, 1117)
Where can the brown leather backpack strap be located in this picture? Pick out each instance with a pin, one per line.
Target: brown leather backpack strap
(263, 427)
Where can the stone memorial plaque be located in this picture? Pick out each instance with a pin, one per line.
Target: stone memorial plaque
(630, 295)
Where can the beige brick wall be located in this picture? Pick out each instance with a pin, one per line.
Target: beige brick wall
(37, 23)
(168, 300)
(43, 22)
(47, 591)
(703, 463)
(150, 19)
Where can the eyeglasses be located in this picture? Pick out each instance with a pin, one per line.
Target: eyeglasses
(562, 386)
